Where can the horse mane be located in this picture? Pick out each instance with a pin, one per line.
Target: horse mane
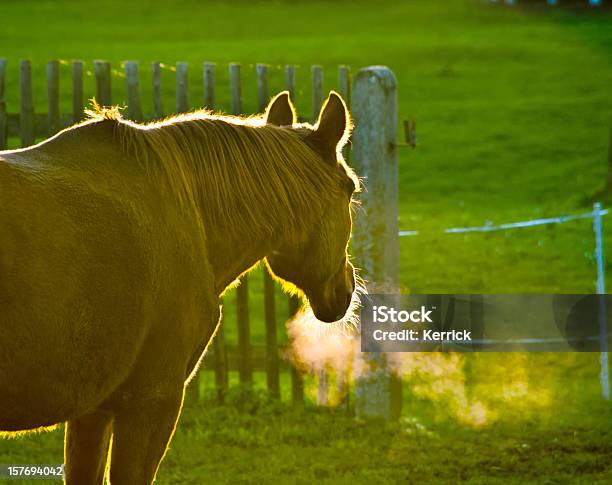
(237, 172)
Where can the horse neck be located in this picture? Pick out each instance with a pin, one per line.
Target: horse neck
(229, 259)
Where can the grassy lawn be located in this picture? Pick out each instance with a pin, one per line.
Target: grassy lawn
(513, 110)
(552, 431)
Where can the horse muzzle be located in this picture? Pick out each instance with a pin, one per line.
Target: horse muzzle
(337, 296)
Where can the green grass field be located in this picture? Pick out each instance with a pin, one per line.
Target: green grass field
(513, 110)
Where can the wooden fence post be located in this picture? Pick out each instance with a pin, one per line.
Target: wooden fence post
(78, 109)
(134, 110)
(182, 87)
(26, 119)
(158, 110)
(102, 71)
(3, 129)
(375, 238)
(53, 113)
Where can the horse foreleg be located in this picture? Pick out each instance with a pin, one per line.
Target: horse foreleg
(141, 436)
(86, 448)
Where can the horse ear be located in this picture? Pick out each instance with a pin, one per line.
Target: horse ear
(280, 110)
(333, 124)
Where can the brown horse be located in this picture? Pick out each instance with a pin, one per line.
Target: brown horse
(117, 240)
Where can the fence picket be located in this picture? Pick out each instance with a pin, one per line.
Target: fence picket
(53, 113)
(242, 292)
(297, 379)
(221, 364)
(245, 370)
(26, 119)
(290, 80)
(262, 86)
(272, 365)
(344, 89)
(182, 87)
(209, 85)
(102, 71)
(134, 111)
(344, 83)
(317, 102)
(236, 88)
(219, 344)
(3, 128)
(158, 111)
(317, 91)
(78, 108)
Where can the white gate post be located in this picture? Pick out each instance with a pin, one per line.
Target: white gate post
(375, 237)
(604, 377)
